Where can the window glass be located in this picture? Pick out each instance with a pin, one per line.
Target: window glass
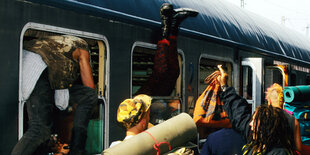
(163, 107)
(142, 66)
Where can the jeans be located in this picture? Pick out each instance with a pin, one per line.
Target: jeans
(40, 108)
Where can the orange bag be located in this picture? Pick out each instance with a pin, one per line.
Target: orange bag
(209, 110)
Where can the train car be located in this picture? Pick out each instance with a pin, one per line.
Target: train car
(122, 36)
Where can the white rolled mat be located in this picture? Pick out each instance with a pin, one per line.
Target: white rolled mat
(177, 131)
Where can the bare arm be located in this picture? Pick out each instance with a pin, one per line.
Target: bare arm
(85, 69)
(297, 137)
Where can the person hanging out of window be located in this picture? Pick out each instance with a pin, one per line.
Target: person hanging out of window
(66, 58)
(166, 66)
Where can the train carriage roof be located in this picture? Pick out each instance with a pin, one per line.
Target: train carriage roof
(219, 20)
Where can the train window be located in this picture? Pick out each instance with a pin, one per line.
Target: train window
(275, 74)
(142, 66)
(207, 67)
(63, 119)
(163, 106)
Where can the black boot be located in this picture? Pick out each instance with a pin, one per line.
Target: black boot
(178, 16)
(166, 12)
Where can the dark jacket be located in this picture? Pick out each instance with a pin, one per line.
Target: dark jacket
(239, 113)
(223, 142)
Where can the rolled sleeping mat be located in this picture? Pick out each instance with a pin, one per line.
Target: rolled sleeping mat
(296, 93)
(176, 131)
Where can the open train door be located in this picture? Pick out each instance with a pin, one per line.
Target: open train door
(251, 80)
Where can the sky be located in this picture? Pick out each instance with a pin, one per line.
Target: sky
(293, 14)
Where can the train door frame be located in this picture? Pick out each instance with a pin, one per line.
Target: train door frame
(256, 64)
(84, 34)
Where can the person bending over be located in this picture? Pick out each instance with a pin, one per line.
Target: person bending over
(67, 59)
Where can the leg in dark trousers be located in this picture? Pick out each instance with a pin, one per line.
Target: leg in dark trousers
(85, 98)
(166, 66)
(165, 71)
(39, 108)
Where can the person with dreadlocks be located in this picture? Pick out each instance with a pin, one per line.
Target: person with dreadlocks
(267, 130)
(274, 97)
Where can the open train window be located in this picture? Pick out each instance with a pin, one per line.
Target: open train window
(207, 67)
(163, 107)
(63, 120)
